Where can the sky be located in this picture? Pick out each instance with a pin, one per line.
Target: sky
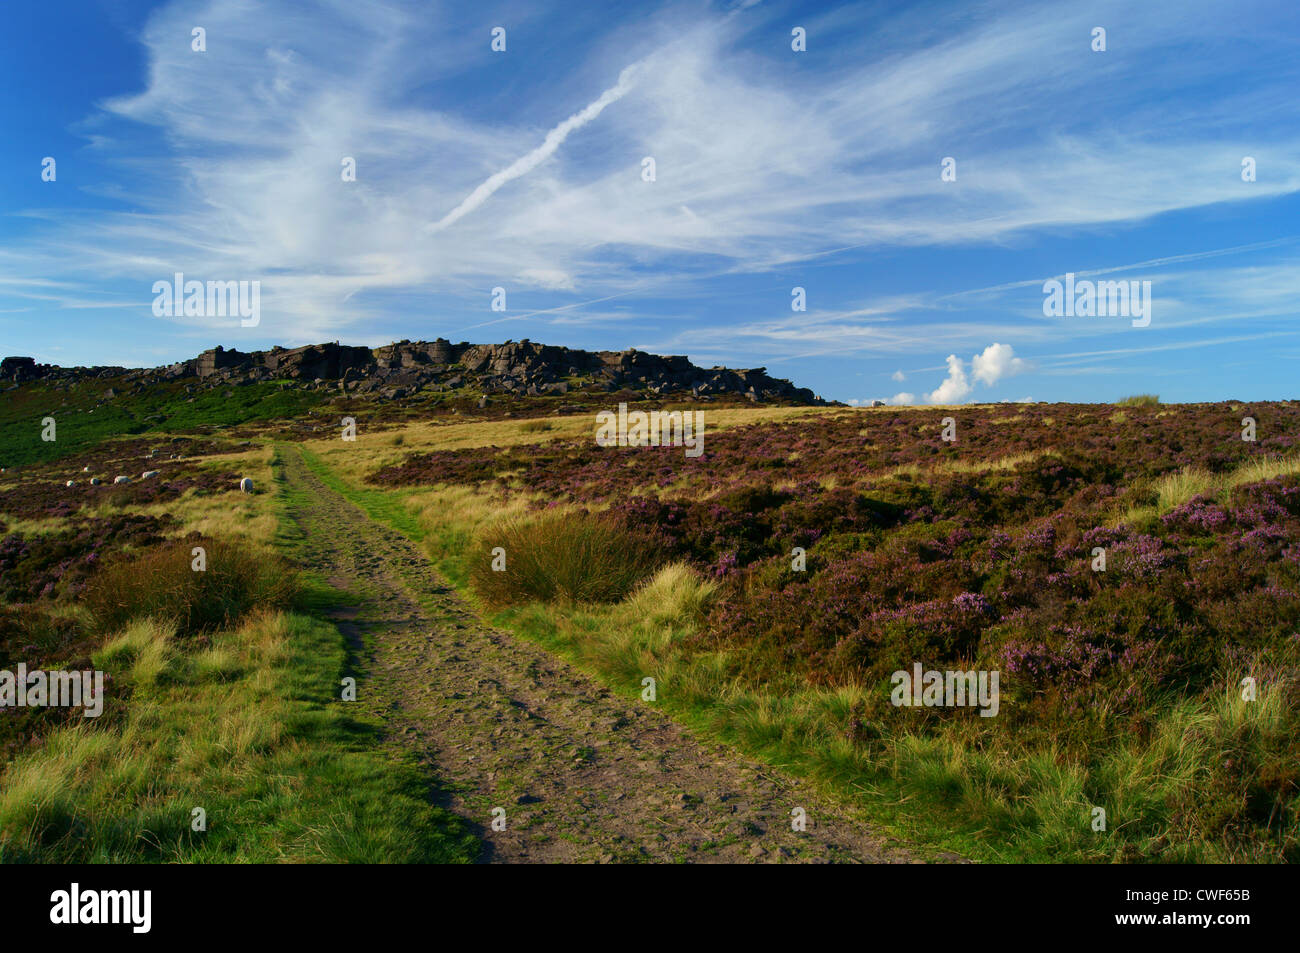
(525, 169)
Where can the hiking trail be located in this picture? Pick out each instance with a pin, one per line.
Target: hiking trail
(583, 774)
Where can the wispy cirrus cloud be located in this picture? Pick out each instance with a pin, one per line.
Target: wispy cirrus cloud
(477, 169)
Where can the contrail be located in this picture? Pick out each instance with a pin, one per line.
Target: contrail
(525, 164)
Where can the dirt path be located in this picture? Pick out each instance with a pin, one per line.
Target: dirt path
(583, 775)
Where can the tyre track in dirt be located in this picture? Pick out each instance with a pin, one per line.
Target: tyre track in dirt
(583, 775)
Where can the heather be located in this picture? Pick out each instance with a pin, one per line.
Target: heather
(1122, 570)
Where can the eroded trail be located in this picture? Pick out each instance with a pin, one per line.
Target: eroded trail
(583, 775)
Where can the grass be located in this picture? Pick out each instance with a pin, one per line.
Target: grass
(1181, 486)
(567, 556)
(991, 797)
(250, 731)
(1139, 400)
(244, 722)
(167, 583)
(83, 419)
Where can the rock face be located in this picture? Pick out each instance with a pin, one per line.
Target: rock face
(405, 368)
(18, 369)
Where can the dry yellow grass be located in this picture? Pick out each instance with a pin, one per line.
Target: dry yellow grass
(1174, 489)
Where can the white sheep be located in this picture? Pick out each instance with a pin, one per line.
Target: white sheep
(246, 484)
(148, 473)
(121, 479)
(95, 481)
(71, 483)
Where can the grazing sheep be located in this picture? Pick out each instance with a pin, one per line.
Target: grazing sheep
(148, 473)
(246, 484)
(85, 469)
(95, 481)
(71, 483)
(122, 479)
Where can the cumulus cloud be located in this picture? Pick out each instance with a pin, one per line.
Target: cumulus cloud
(997, 361)
(988, 367)
(898, 376)
(902, 399)
(955, 386)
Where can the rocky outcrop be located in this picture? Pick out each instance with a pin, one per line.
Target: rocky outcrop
(405, 368)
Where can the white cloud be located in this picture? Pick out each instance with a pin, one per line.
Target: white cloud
(997, 361)
(552, 279)
(756, 164)
(988, 367)
(902, 399)
(898, 376)
(955, 386)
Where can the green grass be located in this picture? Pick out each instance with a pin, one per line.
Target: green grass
(960, 786)
(248, 729)
(570, 556)
(246, 723)
(1174, 489)
(163, 407)
(1139, 400)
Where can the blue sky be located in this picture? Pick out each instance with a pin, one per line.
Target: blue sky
(774, 169)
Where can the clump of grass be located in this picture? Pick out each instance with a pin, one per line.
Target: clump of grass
(1175, 489)
(535, 426)
(561, 557)
(164, 584)
(1139, 400)
(676, 595)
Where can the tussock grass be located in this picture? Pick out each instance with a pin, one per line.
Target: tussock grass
(1174, 489)
(162, 584)
(560, 556)
(675, 595)
(1139, 400)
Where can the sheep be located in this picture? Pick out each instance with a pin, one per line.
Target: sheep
(70, 483)
(95, 481)
(148, 473)
(246, 485)
(121, 479)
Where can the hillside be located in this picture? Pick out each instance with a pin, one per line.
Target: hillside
(407, 368)
(223, 389)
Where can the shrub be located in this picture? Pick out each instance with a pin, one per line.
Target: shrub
(562, 556)
(162, 584)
